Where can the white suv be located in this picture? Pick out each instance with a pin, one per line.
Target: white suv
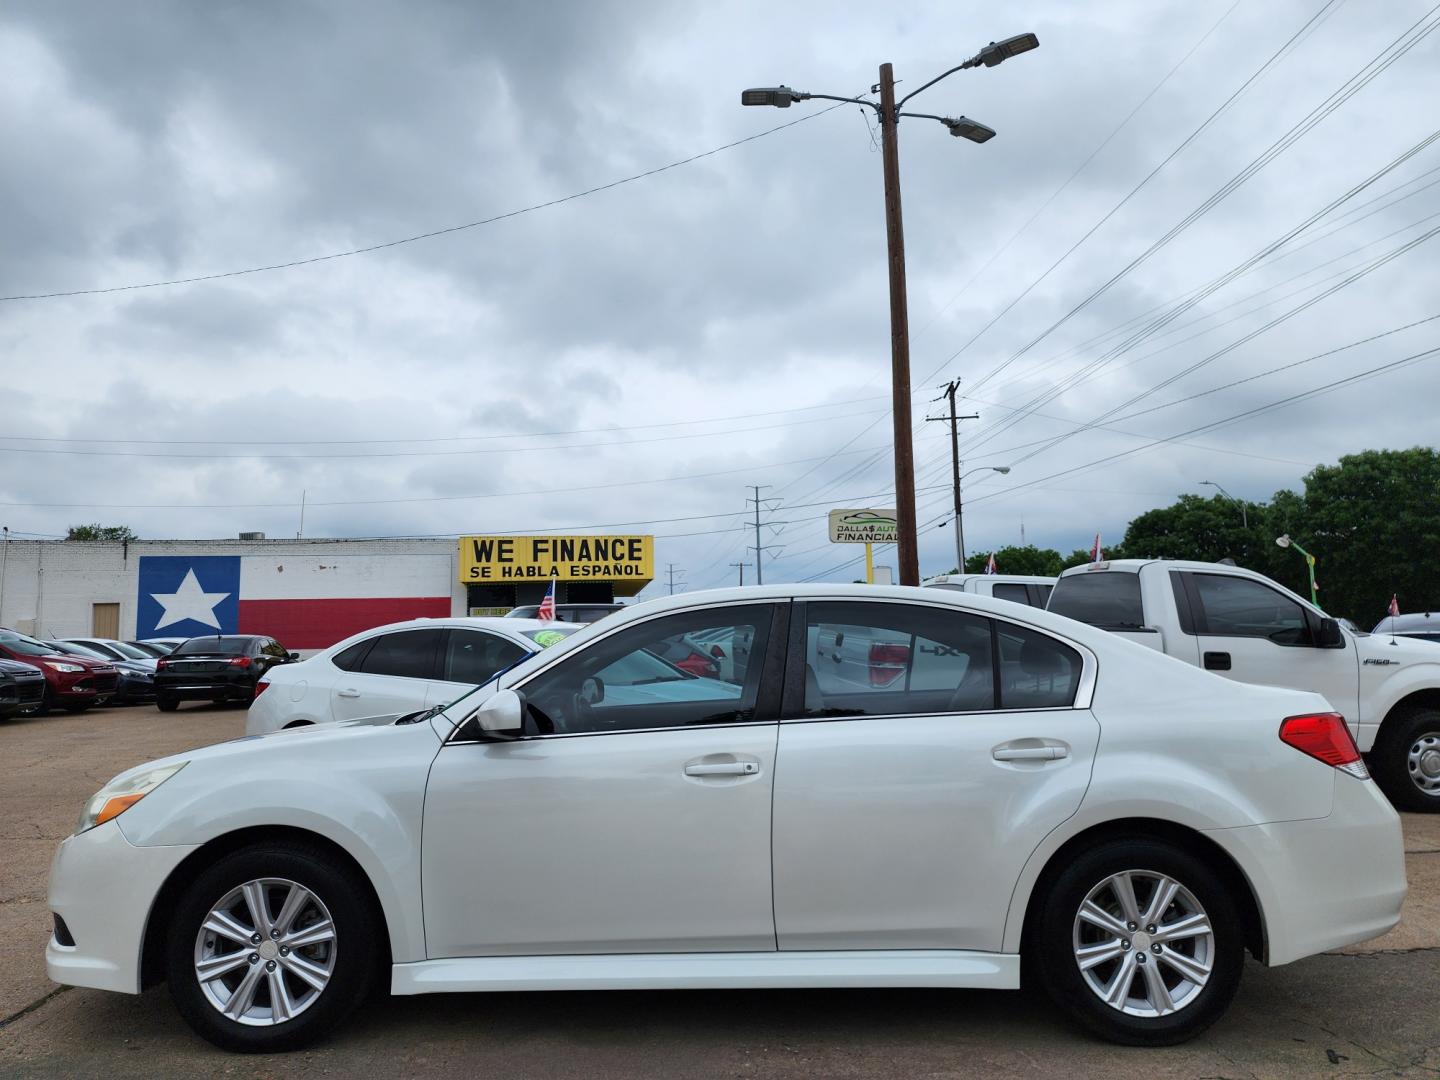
(396, 669)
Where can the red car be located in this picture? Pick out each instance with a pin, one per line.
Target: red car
(72, 683)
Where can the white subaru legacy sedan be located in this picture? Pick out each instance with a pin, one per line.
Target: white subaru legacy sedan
(397, 668)
(1004, 791)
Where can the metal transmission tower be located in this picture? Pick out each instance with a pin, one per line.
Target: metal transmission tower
(671, 572)
(760, 504)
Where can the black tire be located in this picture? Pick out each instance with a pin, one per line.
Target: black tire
(1052, 943)
(165, 704)
(1390, 759)
(358, 945)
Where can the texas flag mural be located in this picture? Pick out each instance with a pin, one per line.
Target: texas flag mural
(305, 602)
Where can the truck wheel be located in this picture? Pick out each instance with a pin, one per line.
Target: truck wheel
(1406, 760)
(1139, 942)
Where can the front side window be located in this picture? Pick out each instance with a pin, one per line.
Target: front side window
(408, 654)
(1016, 594)
(875, 659)
(474, 657)
(683, 670)
(1239, 607)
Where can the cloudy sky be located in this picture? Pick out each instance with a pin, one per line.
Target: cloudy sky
(642, 353)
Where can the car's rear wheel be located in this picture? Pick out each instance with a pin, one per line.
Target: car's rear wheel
(1140, 942)
(1406, 760)
(165, 704)
(271, 947)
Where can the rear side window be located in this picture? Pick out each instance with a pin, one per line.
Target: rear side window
(1107, 599)
(349, 659)
(408, 654)
(1036, 671)
(869, 659)
(474, 657)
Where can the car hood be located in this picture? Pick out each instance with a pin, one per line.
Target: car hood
(83, 661)
(1377, 650)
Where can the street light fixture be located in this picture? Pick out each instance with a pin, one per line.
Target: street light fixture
(1284, 541)
(1244, 515)
(887, 111)
(960, 510)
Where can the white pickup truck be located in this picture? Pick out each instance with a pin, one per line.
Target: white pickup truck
(1244, 626)
(1017, 588)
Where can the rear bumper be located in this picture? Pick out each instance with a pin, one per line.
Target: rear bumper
(103, 887)
(202, 688)
(1324, 882)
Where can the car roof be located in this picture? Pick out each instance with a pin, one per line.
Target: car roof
(1409, 622)
(499, 624)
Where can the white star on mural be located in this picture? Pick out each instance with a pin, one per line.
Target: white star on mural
(189, 601)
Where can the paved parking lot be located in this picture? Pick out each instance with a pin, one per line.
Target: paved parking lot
(1372, 1010)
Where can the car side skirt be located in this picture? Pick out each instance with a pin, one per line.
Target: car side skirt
(712, 971)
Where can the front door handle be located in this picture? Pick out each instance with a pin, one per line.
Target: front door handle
(1029, 753)
(1217, 661)
(722, 768)
(347, 693)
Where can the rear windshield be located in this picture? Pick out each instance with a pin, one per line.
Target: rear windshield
(213, 646)
(1110, 600)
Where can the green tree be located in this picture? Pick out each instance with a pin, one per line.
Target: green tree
(1372, 522)
(100, 532)
(1204, 529)
(1014, 559)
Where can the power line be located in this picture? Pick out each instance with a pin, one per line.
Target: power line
(425, 235)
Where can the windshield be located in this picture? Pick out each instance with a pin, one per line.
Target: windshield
(1107, 599)
(69, 648)
(213, 646)
(128, 651)
(552, 635)
(25, 646)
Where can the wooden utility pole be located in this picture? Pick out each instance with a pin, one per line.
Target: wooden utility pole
(951, 388)
(742, 566)
(909, 552)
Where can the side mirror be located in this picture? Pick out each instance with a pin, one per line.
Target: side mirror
(592, 690)
(1328, 635)
(292, 656)
(503, 716)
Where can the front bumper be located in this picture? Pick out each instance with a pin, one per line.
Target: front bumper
(103, 886)
(1324, 882)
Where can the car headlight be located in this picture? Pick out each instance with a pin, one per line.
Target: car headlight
(56, 666)
(122, 793)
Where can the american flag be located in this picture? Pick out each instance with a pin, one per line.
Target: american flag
(547, 606)
(1394, 604)
(1097, 553)
(990, 565)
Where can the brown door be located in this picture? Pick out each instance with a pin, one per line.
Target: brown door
(105, 620)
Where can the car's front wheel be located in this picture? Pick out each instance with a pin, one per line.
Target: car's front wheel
(1140, 942)
(271, 947)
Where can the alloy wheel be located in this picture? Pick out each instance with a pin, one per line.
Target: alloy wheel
(1423, 761)
(1143, 943)
(265, 953)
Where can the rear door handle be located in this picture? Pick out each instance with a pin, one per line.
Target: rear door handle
(722, 768)
(347, 693)
(1029, 753)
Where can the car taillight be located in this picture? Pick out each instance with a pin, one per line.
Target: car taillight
(1325, 737)
(887, 663)
(261, 687)
(161, 663)
(240, 661)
